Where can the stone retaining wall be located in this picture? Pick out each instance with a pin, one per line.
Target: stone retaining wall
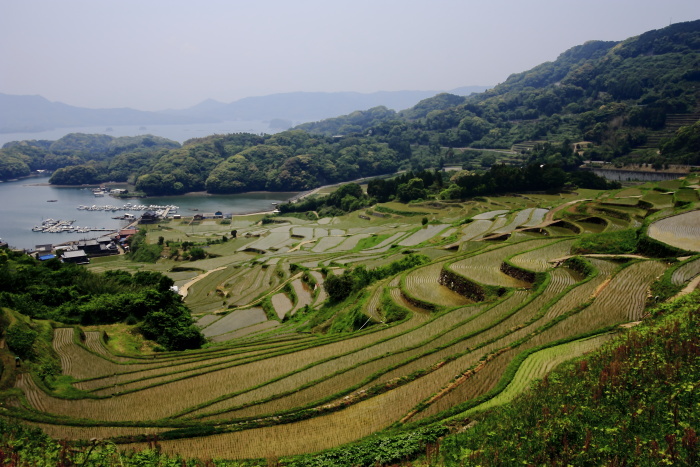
(462, 285)
(518, 273)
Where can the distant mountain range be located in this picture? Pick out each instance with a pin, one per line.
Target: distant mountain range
(35, 113)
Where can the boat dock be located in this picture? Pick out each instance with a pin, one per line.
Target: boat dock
(61, 226)
(129, 207)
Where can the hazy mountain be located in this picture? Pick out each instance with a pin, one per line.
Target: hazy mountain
(467, 90)
(310, 106)
(35, 113)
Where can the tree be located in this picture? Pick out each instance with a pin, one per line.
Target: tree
(339, 287)
(414, 189)
(197, 253)
(75, 175)
(20, 339)
(173, 329)
(488, 160)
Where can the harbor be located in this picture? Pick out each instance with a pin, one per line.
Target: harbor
(29, 202)
(63, 226)
(130, 207)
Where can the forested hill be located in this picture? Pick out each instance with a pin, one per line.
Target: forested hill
(80, 158)
(628, 99)
(615, 94)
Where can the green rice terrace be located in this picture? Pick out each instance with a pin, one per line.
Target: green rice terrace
(395, 318)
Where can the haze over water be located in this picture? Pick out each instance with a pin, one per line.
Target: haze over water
(179, 133)
(24, 204)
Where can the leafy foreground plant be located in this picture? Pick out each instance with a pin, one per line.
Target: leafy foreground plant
(634, 402)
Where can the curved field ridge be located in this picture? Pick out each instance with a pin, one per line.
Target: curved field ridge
(490, 214)
(485, 268)
(681, 231)
(423, 235)
(686, 272)
(235, 320)
(537, 365)
(423, 284)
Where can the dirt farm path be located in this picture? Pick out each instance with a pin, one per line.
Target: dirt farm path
(183, 290)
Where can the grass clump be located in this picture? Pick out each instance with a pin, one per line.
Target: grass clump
(612, 243)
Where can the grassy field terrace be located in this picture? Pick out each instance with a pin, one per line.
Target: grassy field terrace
(507, 288)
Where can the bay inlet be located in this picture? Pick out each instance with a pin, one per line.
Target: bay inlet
(25, 203)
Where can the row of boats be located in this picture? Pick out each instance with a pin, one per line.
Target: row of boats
(129, 207)
(60, 226)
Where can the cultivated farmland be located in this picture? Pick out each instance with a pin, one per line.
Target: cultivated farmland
(288, 371)
(681, 231)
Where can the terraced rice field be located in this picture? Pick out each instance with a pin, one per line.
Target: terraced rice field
(539, 364)
(235, 320)
(629, 193)
(681, 231)
(349, 243)
(303, 293)
(538, 259)
(491, 214)
(75, 361)
(272, 241)
(537, 217)
(520, 219)
(385, 244)
(687, 195)
(485, 268)
(281, 388)
(327, 243)
(423, 284)
(321, 292)
(476, 229)
(622, 201)
(686, 272)
(422, 235)
(587, 226)
(659, 200)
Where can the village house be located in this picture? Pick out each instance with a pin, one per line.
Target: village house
(75, 256)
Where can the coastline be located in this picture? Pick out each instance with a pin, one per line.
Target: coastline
(299, 196)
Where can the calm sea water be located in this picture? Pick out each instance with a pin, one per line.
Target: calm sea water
(179, 133)
(24, 204)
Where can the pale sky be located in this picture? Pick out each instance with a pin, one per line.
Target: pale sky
(159, 54)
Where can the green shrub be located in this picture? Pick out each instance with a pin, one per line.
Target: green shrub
(141, 251)
(20, 339)
(197, 253)
(341, 286)
(612, 243)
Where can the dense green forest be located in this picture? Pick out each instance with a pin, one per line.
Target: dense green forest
(71, 294)
(79, 158)
(618, 96)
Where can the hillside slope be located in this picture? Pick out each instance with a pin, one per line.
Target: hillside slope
(634, 402)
